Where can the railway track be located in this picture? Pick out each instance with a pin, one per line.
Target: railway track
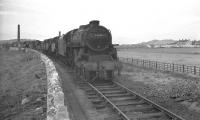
(126, 103)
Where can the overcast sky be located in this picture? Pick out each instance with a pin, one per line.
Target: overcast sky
(130, 21)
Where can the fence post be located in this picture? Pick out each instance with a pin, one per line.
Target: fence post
(149, 63)
(164, 66)
(194, 70)
(132, 60)
(143, 62)
(156, 65)
(183, 68)
(172, 66)
(167, 67)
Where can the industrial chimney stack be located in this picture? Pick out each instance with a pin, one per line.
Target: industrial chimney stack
(18, 36)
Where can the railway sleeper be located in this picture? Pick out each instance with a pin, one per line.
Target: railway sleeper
(100, 106)
(113, 91)
(136, 108)
(146, 115)
(97, 101)
(117, 95)
(103, 83)
(123, 98)
(107, 89)
(89, 90)
(109, 86)
(91, 93)
(129, 103)
(143, 111)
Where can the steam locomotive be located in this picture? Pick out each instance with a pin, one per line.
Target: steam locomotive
(88, 49)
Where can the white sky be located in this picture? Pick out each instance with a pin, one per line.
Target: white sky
(130, 21)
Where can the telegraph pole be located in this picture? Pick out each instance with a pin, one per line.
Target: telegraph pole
(18, 36)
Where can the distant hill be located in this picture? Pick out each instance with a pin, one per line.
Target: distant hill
(14, 40)
(148, 44)
(158, 42)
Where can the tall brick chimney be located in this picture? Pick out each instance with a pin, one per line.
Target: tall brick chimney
(18, 36)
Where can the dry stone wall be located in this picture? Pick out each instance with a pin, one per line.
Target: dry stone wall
(56, 110)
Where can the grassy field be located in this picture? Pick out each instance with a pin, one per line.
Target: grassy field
(22, 86)
(189, 56)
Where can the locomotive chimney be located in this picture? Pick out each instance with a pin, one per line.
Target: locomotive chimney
(94, 23)
(59, 33)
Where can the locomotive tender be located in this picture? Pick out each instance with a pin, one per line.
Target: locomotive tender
(88, 49)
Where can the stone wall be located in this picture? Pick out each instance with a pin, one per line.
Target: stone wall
(56, 110)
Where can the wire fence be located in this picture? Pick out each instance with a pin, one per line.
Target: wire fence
(194, 70)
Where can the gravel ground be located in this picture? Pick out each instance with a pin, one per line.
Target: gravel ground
(178, 93)
(22, 86)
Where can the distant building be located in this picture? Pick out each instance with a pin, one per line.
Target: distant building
(184, 43)
(196, 43)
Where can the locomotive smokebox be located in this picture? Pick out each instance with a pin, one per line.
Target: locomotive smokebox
(94, 23)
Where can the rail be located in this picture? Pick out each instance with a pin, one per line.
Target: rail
(180, 68)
